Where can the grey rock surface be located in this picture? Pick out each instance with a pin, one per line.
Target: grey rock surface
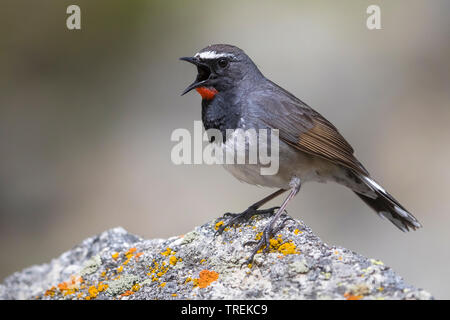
(199, 265)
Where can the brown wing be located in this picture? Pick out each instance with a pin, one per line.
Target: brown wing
(303, 128)
(325, 141)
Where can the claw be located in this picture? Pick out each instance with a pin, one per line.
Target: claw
(283, 224)
(264, 242)
(229, 214)
(236, 218)
(249, 243)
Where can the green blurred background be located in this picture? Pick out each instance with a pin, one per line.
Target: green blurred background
(86, 118)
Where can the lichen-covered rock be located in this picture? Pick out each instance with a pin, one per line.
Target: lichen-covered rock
(200, 265)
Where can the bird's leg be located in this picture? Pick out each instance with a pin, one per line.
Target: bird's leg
(250, 212)
(270, 230)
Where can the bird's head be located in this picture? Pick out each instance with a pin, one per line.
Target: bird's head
(220, 67)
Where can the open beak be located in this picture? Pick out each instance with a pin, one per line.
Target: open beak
(203, 74)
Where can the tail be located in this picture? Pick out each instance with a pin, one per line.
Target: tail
(387, 207)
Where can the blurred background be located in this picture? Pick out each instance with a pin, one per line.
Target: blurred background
(86, 118)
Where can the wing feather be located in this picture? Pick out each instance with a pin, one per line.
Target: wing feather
(302, 127)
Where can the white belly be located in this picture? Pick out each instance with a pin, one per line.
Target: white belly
(292, 163)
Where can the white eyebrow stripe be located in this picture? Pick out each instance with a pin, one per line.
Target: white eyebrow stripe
(211, 55)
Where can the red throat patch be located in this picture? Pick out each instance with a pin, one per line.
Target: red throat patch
(207, 93)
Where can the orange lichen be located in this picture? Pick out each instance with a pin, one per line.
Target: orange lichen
(71, 286)
(174, 294)
(130, 252)
(93, 292)
(127, 293)
(138, 255)
(50, 292)
(206, 277)
(350, 296)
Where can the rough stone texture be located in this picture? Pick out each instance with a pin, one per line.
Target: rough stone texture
(298, 266)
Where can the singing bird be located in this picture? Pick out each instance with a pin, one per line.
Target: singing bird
(236, 95)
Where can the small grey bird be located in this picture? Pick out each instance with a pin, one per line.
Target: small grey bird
(236, 95)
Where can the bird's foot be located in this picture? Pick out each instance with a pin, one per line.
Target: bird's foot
(263, 244)
(237, 218)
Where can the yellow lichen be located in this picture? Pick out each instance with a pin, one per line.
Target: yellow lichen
(173, 260)
(167, 252)
(120, 269)
(138, 255)
(115, 255)
(277, 245)
(102, 287)
(162, 285)
(288, 248)
(377, 262)
(136, 287)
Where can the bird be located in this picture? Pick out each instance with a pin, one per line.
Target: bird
(236, 95)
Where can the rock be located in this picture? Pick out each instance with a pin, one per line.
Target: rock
(199, 265)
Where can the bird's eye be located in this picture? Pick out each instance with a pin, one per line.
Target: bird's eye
(222, 62)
